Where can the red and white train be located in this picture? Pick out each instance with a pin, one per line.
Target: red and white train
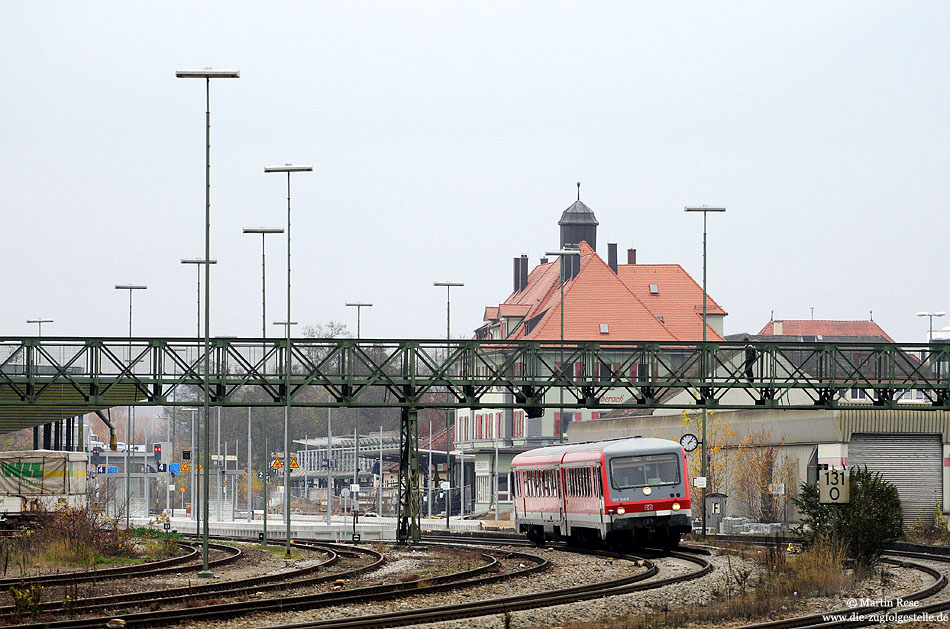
(625, 493)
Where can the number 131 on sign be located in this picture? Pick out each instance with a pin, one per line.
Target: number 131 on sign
(834, 486)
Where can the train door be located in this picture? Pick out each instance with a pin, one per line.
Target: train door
(599, 493)
(562, 498)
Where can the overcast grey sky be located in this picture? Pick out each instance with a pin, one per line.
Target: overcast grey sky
(446, 138)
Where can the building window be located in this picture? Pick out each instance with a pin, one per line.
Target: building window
(503, 488)
(483, 488)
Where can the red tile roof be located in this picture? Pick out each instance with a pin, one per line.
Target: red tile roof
(678, 297)
(514, 310)
(599, 296)
(810, 327)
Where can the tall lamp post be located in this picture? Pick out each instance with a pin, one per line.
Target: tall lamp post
(207, 74)
(560, 253)
(286, 325)
(288, 169)
(130, 424)
(705, 210)
(359, 305)
(263, 231)
(448, 413)
(39, 321)
(930, 315)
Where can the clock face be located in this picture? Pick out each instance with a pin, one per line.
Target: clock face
(689, 442)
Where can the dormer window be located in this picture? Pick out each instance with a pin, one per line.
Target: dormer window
(654, 289)
(603, 329)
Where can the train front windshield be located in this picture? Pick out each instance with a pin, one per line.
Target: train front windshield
(649, 470)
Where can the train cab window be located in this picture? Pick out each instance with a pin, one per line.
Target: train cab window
(642, 471)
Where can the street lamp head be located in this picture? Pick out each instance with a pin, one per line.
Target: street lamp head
(448, 284)
(358, 304)
(263, 230)
(197, 261)
(208, 73)
(130, 287)
(285, 323)
(703, 208)
(289, 168)
(39, 320)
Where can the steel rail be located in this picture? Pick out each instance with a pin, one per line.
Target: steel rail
(889, 605)
(939, 555)
(172, 564)
(275, 605)
(502, 605)
(197, 592)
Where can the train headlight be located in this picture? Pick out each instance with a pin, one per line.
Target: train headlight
(647, 491)
(676, 506)
(621, 510)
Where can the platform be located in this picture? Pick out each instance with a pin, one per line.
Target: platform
(310, 527)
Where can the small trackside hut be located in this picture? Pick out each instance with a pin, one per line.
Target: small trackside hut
(625, 493)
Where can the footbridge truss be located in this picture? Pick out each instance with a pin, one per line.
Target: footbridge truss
(50, 378)
(81, 375)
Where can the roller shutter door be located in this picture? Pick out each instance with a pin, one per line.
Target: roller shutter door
(913, 463)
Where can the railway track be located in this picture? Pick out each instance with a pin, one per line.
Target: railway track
(186, 610)
(164, 566)
(190, 593)
(866, 615)
(635, 583)
(290, 603)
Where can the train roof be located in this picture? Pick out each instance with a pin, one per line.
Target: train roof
(579, 452)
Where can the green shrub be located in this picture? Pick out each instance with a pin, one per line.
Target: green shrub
(864, 526)
(28, 600)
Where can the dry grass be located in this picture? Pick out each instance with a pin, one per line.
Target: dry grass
(777, 580)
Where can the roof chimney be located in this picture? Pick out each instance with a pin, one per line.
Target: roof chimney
(612, 256)
(517, 276)
(524, 272)
(544, 260)
(631, 256)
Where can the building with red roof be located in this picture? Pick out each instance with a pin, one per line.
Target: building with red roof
(602, 300)
(825, 329)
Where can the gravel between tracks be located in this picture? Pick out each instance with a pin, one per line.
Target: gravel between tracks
(571, 569)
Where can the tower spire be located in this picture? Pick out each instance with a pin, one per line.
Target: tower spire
(578, 191)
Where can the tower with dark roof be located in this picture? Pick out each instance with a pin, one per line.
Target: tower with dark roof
(578, 223)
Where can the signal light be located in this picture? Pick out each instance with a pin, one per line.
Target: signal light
(157, 450)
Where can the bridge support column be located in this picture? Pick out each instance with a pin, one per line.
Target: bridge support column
(47, 436)
(408, 527)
